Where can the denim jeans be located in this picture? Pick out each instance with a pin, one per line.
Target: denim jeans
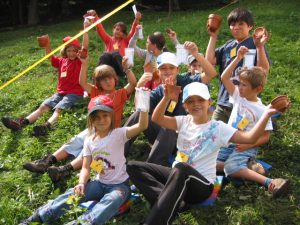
(109, 197)
(235, 160)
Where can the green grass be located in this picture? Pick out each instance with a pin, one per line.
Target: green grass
(22, 192)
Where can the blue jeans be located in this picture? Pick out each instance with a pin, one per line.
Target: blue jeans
(58, 101)
(109, 197)
(234, 160)
(75, 145)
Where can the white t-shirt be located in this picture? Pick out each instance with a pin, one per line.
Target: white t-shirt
(202, 142)
(108, 156)
(245, 114)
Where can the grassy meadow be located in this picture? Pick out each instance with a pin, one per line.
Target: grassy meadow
(22, 192)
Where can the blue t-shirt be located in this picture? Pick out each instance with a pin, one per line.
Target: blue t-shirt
(158, 93)
(224, 56)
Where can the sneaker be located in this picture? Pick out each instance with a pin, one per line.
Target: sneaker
(56, 173)
(41, 130)
(12, 124)
(257, 167)
(40, 165)
(278, 187)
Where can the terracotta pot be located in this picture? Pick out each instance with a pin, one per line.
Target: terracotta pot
(259, 32)
(43, 40)
(83, 53)
(214, 22)
(281, 103)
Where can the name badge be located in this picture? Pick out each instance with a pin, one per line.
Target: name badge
(243, 124)
(233, 52)
(171, 106)
(182, 157)
(63, 74)
(115, 46)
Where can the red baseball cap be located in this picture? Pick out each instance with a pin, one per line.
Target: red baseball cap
(74, 42)
(102, 103)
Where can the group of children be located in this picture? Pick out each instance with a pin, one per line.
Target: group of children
(181, 122)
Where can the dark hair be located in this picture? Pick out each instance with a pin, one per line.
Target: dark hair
(103, 71)
(158, 39)
(240, 14)
(122, 26)
(256, 76)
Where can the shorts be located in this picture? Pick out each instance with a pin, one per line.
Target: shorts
(58, 101)
(222, 113)
(75, 145)
(234, 160)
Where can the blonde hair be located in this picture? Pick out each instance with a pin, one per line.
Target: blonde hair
(91, 119)
(103, 71)
(256, 76)
(63, 51)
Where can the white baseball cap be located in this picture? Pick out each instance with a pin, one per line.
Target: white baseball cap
(195, 88)
(166, 58)
(191, 59)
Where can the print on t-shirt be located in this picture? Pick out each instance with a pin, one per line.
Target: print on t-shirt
(100, 164)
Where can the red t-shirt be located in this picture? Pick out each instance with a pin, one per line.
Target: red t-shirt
(68, 75)
(119, 98)
(113, 44)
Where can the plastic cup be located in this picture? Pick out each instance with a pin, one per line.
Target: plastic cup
(181, 54)
(129, 53)
(141, 35)
(83, 53)
(43, 40)
(249, 58)
(142, 100)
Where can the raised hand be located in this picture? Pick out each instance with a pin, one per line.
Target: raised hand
(191, 47)
(242, 52)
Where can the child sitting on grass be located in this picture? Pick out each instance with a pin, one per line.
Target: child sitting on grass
(155, 45)
(115, 45)
(191, 178)
(247, 109)
(105, 80)
(104, 153)
(68, 93)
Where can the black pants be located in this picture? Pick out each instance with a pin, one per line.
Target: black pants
(165, 188)
(113, 59)
(163, 140)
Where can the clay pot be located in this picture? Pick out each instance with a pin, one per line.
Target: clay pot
(214, 22)
(259, 32)
(175, 90)
(43, 40)
(281, 103)
(83, 53)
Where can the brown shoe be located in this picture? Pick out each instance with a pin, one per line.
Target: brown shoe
(14, 124)
(56, 173)
(257, 167)
(278, 187)
(40, 165)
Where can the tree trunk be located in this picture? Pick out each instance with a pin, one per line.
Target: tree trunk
(33, 17)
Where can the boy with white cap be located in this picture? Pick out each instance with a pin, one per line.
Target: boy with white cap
(163, 140)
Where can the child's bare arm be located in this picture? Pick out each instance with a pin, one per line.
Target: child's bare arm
(261, 141)
(262, 59)
(211, 46)
(209, 71)
(140, 126)
(83, 75)
(130, 77)
(226, 75)
(159, 116)
(173, 36)
(84, 176)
